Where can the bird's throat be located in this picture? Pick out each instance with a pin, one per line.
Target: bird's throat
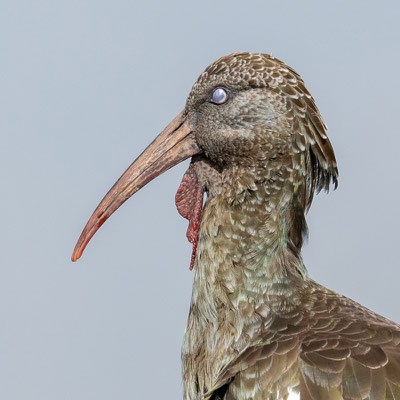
(189, 202)
(249, 215)
(254, 220)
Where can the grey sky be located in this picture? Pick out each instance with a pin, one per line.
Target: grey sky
(85, 86)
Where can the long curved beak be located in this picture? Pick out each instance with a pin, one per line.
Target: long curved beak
(173, 145)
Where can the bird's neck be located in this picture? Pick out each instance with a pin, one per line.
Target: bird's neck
(248, 265)
(250, 236)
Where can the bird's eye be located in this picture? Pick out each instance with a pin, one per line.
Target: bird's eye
(219, 95)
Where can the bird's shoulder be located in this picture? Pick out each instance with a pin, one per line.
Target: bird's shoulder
(349, 351)
(330, 348)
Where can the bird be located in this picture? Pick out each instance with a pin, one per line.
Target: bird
(259, 327)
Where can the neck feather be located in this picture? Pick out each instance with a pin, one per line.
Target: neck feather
(251, 234)
(248, 264)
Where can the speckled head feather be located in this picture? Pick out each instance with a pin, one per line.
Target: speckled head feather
(278, 117)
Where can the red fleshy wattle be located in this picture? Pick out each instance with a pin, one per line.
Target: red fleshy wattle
(189, 202)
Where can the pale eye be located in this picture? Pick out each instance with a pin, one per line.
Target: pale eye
(219, 95)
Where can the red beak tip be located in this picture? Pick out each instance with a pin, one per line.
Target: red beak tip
(76, 255)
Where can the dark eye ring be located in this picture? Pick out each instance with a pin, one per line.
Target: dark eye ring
(219, 95)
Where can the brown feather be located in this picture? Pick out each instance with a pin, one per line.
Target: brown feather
(258, 326)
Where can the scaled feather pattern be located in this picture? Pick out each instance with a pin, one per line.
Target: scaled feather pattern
(259, 327)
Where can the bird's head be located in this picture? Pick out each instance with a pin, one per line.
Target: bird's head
(245, 109)
(240, 117)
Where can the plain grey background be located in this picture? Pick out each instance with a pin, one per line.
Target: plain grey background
(85, 86)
